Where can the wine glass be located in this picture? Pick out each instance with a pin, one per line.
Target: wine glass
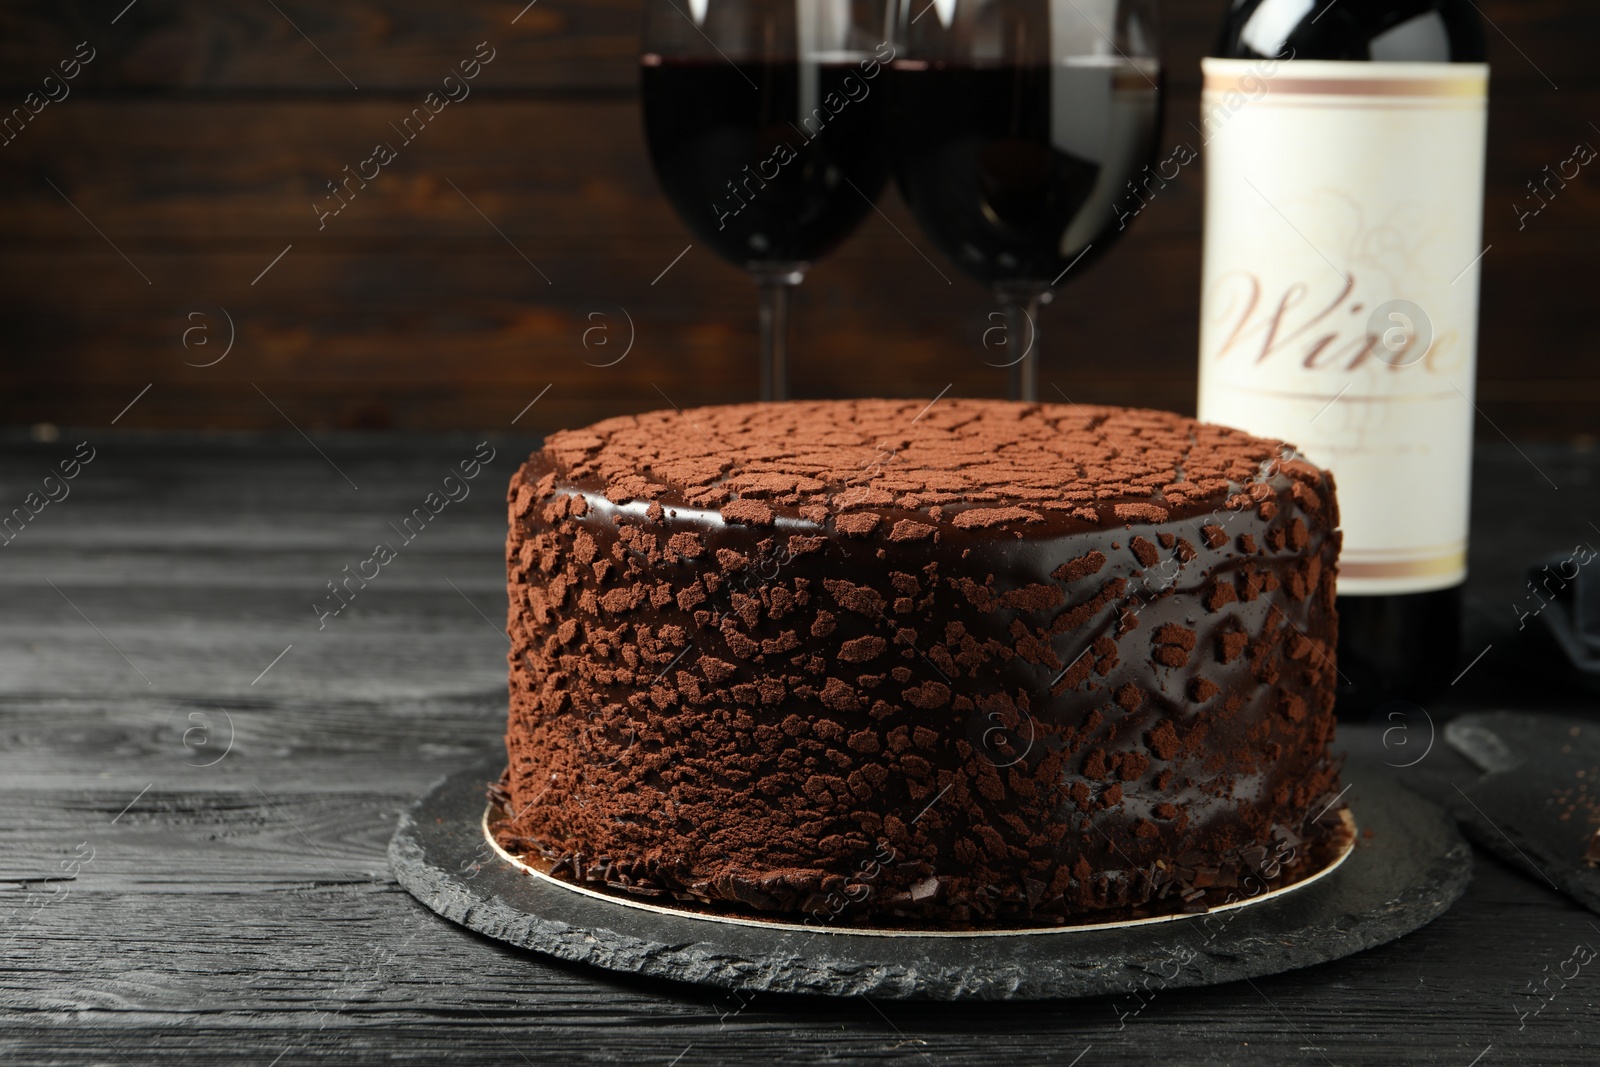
(1020, 129)
(764, 120)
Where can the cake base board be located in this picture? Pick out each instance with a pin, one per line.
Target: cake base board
(1115, 919)
(1408, 866)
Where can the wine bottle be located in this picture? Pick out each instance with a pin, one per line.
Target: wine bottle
(1344, 144)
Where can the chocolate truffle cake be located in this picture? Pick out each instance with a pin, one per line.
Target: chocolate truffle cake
(968, 663)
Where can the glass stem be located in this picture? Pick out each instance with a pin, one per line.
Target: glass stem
(1022, 330)
(775, 288)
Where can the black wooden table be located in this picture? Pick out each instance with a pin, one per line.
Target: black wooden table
(199, 776)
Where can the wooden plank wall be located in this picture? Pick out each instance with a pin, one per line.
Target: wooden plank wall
(198, 137)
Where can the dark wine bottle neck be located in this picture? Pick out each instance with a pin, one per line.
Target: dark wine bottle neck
(1384, 31)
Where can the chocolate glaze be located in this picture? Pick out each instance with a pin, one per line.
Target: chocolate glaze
(1041, 661)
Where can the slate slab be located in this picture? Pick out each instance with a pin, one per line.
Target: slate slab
(1538, 807)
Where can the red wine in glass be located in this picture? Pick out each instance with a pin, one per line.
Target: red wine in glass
(1022, 135)
(764, 121)
(749, 171)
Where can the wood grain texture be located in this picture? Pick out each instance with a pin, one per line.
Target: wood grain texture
(242, 911)
(305, 48)
(197, 142)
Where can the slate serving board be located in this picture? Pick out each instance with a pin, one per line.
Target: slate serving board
(1409, 865)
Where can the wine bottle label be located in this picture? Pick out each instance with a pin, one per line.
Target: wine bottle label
(1339, 307)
